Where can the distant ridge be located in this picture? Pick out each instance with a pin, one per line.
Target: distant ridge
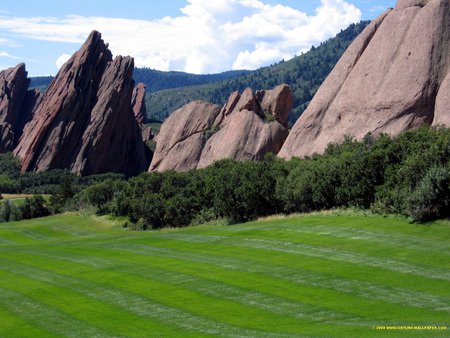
(156, 80)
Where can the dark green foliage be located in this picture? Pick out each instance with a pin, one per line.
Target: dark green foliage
(156, 80)
(431, 198)
(33, 207)
(408, 175)
(304, 73)
(101, 194)
(243, 191)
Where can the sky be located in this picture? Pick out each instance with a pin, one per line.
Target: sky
(195, 36)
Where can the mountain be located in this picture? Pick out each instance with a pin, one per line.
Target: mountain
(304, 74)
(394, 77)
(86, 122)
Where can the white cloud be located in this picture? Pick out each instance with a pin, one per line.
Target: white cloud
(62, 59)
(7, 55)
(209, 36)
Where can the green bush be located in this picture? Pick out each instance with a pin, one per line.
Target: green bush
(431, 198)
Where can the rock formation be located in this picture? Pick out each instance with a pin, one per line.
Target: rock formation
(85, 121)
(138, 103)
(16, 105)
(395, 76)
(182, 136)
(201, 133)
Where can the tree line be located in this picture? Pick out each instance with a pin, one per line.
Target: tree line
(408, 175)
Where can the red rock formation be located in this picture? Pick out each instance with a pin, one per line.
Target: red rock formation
(16, 105)
(243, 136)
(394, 77)
(85, 122)
(181, 139)
(138, 103)
(200, 133)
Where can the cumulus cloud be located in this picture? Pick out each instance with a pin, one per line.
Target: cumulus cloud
(209, 36)
(62, 59)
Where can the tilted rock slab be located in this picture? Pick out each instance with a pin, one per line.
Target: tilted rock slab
(85, 122)
(200, 133)
(394, 77)
(138, 103)
(16, 105)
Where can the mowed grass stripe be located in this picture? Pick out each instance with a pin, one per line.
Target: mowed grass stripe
(394, 233)
(12, 325)
(70, 313)
(280, 264)
(325, 252)
(332, 300)
(343, 241)
(45, 317)
(97, 284)
(211, 284)
(198, 277)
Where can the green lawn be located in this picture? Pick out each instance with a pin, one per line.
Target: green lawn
(326, 275)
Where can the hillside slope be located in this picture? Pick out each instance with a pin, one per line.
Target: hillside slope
(304, 73)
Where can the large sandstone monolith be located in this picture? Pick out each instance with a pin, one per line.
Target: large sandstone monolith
(394, 77)
(247, 128)
(180, 141)
(85, 122)
(16, 105)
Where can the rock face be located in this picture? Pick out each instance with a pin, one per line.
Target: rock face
(16, 105)
(200, 133)
(85, 122)
(394, 77)
(181, 139)
(138, 103)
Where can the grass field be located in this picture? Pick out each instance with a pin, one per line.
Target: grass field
(19, 199)
(327, 275)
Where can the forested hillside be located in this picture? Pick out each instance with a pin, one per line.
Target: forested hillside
(304, 73)
(156, 80)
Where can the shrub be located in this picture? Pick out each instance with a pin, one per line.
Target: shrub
(431, 198)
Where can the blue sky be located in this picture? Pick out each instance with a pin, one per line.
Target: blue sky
(198, 36)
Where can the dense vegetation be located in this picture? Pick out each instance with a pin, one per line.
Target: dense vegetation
(62, 185)
(304, 73)
(156, 80)
(409, 175)
(324, 275)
